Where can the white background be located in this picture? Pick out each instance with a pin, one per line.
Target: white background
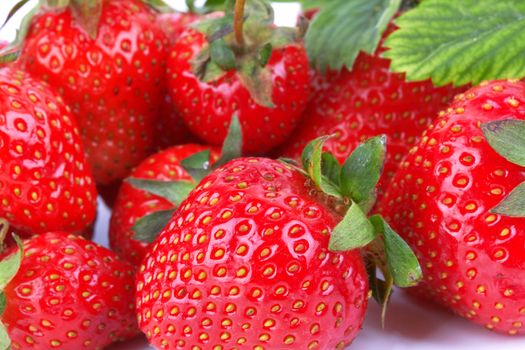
(410, 324)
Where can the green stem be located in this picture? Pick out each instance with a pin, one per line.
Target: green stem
(191, 6)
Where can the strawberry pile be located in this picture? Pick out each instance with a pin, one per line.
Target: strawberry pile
(265, 181)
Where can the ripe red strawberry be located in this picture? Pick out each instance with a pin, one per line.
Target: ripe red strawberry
(133, 204)
(171, 129)
(113, 83)
(45, 182)
(243, 272)
(268, 101)
(257, 256)
(441, 202)
(69, 293)
(368, 101)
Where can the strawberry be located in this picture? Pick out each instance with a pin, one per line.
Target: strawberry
(441, 201)
(368, 101)
(258, 72)
(257, 257)
(171, 129)
(133, 204)
(107, 60)
(45, 182)
(68, 293)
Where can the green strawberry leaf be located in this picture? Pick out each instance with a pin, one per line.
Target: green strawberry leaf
(258, 81)
(161, 6)
(148, 227)
(330, 168)
(3, 303)
(87, 14)
(343, 28)
(312, 159)
(5, 342)
(13, 11)
(222, 55)
(232, 146)
(402, 263)
(10, 265)
(353, 232)
(173, 191)
(514, 204)
(362, 170)
(507, 137)
(462, 42)
(197, 165)
(11, 52)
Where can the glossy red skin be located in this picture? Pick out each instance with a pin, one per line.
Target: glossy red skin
(171, 129)
(48, 305)
(368, 101)
(113, 84)
(45, 182)
(133, 204)
(439, 201)
(207, 108)
(244, 201)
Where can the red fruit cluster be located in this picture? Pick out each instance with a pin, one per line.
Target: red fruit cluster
(256, 253)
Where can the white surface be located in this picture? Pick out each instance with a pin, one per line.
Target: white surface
(410, 325)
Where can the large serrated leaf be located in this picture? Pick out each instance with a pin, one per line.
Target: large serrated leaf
(173, 191)
(354, 231)
(507, 137)
(343, 28)
(514, 204)
(462, 42)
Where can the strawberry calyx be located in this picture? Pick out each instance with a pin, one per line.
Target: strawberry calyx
(197, 166)
(243, 40)
(8, 269)
(507, 138)
(352, 188)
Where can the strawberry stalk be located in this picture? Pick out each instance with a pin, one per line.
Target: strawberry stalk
(243, 40)
(4, 229)
(238, 21)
